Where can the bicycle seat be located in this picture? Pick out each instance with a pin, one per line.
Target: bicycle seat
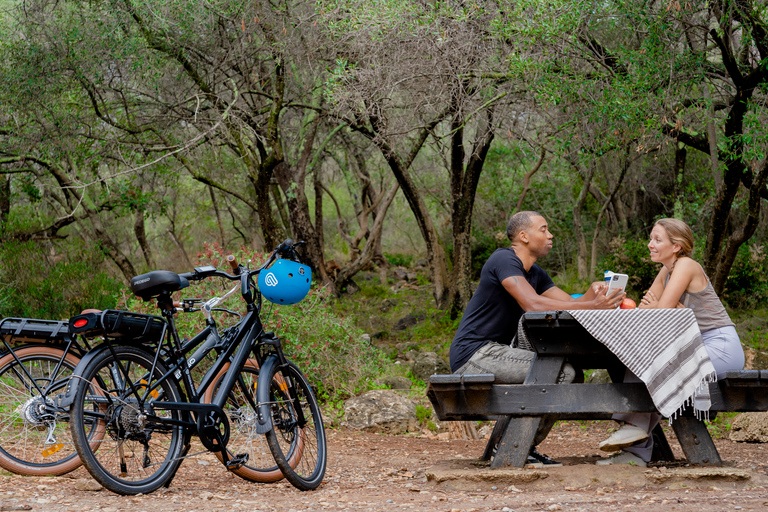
(152, 284)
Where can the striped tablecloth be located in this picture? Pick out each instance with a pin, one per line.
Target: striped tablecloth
(663, 347)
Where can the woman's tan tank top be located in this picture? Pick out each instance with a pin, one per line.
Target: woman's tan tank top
(707, 307)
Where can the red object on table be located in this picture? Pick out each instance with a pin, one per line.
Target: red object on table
(627, 304)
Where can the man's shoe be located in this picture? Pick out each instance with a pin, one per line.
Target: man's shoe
(625, 436)
(623, 458)
(542, 460)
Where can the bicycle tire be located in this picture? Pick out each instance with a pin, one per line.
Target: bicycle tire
(137, 454)
(24, 424)
(286, 436)
(261, 466)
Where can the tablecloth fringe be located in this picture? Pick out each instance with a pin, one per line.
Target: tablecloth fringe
(700, 396)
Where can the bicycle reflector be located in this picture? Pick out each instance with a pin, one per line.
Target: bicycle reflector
(286, 282)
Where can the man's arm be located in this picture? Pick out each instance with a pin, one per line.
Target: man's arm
(555, 298)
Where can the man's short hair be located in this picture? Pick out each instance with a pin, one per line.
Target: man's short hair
(520, 222)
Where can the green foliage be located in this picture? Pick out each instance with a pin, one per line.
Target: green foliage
(399, 260)
(485, 244)
(423, 414)
(327, 348)
(35, 284)
(747, 283)
(720, 427)
(630, 256)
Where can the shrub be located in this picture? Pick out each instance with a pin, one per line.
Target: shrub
(328, 349)
(630, 257)
(747, 283)
(399, 260)
(34, 284)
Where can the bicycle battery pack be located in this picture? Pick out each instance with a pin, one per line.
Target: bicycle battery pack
(124, 325)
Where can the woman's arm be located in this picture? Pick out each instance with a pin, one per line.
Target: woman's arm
(669, 296)
(685, 271)
(651, 298)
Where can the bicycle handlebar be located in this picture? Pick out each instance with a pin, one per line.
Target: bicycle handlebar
(286, 249)
(233, 263)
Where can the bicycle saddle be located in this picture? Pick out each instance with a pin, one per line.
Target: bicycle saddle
(152, 284)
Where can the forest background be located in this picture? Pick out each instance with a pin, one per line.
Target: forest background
(146, 134)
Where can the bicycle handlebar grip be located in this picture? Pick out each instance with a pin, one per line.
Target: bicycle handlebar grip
(233, 263)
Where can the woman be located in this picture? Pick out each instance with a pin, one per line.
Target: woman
(681, 283)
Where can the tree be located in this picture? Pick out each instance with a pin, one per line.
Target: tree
(408, 72)
(690, 72)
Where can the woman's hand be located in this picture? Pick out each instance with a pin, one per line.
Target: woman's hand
(649, 301)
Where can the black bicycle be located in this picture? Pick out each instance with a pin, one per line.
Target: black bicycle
(135, 392)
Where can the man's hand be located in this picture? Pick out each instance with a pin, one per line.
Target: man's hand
(605, 301)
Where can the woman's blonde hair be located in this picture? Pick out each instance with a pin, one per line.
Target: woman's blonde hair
(679, 233)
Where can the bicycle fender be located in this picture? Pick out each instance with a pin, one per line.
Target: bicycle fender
(65, 400)
(264, 419)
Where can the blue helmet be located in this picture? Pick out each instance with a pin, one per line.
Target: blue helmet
(285, 282)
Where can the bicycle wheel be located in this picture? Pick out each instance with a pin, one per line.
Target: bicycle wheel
(35, 439)
(243, 438)
(293, 437)
(139, 451)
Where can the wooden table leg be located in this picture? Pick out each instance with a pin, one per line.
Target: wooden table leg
(496, 435)
(696, 441)
(516, 442)
(662, 452)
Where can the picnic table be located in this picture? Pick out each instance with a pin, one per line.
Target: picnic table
(519, 409)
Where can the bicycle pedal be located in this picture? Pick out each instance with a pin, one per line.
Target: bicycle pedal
(237, 462)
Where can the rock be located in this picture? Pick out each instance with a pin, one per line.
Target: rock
(599, 377)
(411, 355)
(401, 274)
(428, 363)
(387, 304)
(407, 321)
(406, 347)
(750, 427)
(350, 287)
(755, 359)
(381, 410)
(397, 382)
(366, 338)
(712, 473)
(86, 484)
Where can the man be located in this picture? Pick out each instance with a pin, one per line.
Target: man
(510, 284)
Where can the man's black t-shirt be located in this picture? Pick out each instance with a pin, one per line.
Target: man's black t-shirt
(492, 314)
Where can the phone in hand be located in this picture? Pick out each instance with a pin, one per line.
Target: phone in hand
(617, 282)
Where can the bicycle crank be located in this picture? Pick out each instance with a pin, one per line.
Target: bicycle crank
(213, 429)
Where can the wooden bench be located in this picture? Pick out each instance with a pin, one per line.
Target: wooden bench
(519, 408)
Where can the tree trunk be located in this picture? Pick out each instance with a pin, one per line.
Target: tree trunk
(740, 236)
(463, 191)
(5, 200)
(578, 226)
(141, 236)
(222, 238)
(372, 242)
(679, 172)
(111, 249)
(527, 180)
(603, 209)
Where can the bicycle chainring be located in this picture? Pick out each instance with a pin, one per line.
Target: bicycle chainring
(213, 429)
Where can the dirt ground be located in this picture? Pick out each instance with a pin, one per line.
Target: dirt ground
(375, 472)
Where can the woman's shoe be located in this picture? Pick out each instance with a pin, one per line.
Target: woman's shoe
(623, 458)
(625, 436)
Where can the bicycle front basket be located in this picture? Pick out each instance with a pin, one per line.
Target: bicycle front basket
(126, 326)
